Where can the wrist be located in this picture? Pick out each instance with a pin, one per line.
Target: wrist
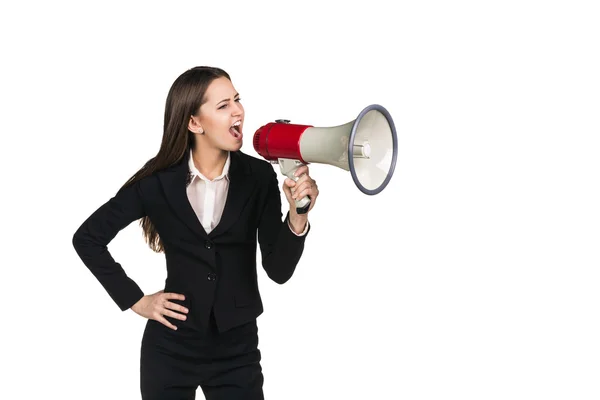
(298, 221)
(135, 307)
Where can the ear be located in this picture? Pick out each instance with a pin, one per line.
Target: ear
(195, 126)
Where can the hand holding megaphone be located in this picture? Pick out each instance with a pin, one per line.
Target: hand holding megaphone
(366, 146)
(288, 168)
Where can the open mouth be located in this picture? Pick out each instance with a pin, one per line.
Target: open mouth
(236, 130)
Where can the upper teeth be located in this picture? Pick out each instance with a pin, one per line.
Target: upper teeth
(237, 123)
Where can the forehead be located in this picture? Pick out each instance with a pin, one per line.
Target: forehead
(219, 89)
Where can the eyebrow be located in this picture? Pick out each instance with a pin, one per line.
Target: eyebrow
(236, 95)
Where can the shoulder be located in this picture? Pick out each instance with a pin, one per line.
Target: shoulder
(141, 186)
(148, 183)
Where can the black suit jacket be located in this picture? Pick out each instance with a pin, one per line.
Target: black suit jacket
(212, 270)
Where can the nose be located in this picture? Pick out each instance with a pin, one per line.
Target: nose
(237, 110)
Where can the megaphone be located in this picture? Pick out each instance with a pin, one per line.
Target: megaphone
(366, 146)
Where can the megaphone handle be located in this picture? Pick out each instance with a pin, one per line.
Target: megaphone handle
(288, 168)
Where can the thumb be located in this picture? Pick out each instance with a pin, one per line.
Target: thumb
(286, 186)
(289, 182)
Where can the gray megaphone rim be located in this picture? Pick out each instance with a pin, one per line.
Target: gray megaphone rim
(385, 182)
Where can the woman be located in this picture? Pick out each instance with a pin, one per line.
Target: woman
(202, 203)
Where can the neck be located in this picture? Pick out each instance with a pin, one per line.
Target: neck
(209, 161)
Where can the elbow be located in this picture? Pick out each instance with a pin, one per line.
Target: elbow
(279, 276)
(76, 240)
(281, 280)
(80, 241)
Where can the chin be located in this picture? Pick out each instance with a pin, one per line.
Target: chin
(237, 146)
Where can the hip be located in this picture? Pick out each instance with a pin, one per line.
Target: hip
(191, 343)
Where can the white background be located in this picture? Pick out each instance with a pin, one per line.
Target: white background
(473, 275)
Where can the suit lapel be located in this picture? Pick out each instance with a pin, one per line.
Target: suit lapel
(174, 181)
(240, 188)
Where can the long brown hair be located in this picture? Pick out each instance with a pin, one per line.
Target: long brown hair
(185, 97)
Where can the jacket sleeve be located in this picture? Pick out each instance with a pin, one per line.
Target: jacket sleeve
(280, 248)
(92, 237)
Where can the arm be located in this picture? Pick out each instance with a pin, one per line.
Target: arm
(92, 237)
(280, 247)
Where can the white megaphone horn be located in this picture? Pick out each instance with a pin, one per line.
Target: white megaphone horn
(366, 146)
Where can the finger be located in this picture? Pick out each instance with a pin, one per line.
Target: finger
(289, 182)
(312, 192)
(302, 180)
(313, 199)
(307, 185)
(303, 194)
(176, 296)
(173, 306)
(301, 170)
(166, 323)
(173, 314)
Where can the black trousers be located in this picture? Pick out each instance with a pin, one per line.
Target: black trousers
(173, 364)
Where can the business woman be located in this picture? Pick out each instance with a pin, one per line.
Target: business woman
(203, 203)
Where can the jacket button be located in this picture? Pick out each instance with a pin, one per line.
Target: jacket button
(208, 244)
(212, 276)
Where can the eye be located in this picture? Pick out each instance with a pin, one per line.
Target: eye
(225, 105)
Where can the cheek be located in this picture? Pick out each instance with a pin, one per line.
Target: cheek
(225, 123)
(217, 123)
